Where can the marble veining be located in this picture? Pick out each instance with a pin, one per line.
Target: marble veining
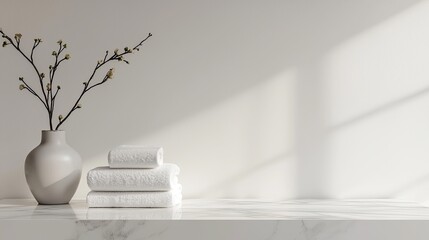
(218, 219)
(223, 209)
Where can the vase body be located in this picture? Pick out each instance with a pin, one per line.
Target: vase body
(53, 169)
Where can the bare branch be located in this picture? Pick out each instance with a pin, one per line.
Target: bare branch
(49, 97)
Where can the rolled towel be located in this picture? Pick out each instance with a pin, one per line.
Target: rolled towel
(128, 156)
(162, 178)
(135, 199)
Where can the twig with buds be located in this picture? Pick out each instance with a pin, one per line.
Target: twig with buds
(48, 97)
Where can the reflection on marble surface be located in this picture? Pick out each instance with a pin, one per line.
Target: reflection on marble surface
(223, 209)
(133, 214)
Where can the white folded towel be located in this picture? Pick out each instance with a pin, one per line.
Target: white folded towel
(135, 199)
(128, 156)
(163, 178)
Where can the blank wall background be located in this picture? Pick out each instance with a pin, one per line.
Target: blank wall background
(252, 99)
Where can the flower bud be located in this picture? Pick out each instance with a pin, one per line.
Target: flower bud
(18, 36)
(109, 73)
(42, 75)
(60, 41)
(67, 56)
(5, 44)
(54, 53)
(116, 51)
(79, 106)
(60, 117)
(58, 87)
(21, 79)
(65, 45)
(21, 87)
(48, 86)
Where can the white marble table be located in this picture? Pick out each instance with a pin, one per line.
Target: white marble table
(218, 219)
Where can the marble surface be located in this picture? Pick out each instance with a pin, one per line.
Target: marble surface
(223, 209)
(219, 219)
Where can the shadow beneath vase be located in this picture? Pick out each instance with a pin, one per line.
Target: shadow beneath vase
(62, 211)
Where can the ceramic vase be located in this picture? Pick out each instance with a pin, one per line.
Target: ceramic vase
(53, 169)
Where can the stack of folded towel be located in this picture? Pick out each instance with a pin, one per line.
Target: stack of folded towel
(135, 177)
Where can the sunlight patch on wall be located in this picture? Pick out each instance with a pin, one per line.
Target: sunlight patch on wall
(383, 63)
(245, 142)
(377, 98)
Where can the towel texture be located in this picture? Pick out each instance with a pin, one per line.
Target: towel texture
(127, 156)
(134, 199)
(163, 178)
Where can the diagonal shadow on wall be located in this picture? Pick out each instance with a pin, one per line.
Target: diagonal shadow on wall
(210, 52)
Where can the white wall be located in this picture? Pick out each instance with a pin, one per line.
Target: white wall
(252, 99)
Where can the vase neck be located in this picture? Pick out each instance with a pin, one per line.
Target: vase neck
(58, 137)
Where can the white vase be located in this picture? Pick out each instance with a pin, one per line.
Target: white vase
(53, 169)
